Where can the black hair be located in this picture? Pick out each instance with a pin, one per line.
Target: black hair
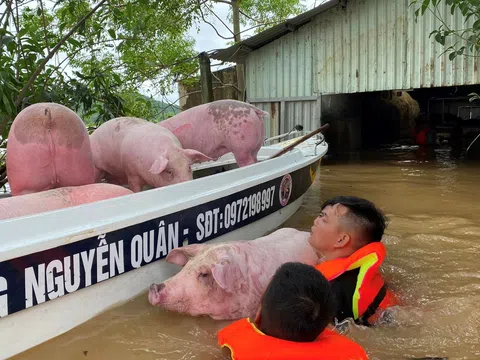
(298, 303)
(370, 217)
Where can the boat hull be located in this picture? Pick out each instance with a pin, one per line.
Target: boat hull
(66, 274)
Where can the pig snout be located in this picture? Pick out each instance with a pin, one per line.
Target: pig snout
(155, 294)
(156, 288)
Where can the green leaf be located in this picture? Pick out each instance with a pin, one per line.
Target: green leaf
(112, 33)
(117, 13)
(452, 56)
(464, 8)
(440, 38)
(425, 5)
(74, 42)
(6, 102)
(12, 47)
(452, 10)
(22, 32)
(117, 77)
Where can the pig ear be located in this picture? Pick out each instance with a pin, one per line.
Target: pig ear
(196, 156)
(159, 165)
(261, 113)
(180, 256)
(226, 275)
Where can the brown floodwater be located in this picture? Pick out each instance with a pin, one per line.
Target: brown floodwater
(433, 243)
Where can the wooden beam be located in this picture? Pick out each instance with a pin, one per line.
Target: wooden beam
(205, 78)
(290, 27)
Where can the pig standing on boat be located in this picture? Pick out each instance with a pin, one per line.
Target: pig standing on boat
(48, 147)
(135, 151)
(59, 198)
(226, 281)
(221, 127)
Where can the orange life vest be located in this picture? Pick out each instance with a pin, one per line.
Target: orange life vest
(371, 293)
(245, 341)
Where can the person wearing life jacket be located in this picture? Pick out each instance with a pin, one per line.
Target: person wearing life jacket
(347, 237)
(291, 323)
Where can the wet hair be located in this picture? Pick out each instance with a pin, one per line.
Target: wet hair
(298, 303)
(363, 214)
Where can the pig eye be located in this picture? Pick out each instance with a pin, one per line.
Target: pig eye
(203, 275)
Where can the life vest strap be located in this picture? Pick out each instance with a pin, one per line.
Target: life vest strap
(372, 308)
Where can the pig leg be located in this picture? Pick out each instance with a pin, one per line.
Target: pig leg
(115, 180)
(99, 174)
(135, 183)
(244, 160)
(246, 144)
(244, 157)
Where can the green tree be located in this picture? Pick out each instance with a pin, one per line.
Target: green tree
(94, 56)
(253, 14)
(89, 55)
(464, 42)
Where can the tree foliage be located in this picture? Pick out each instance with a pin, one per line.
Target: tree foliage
(466, 41)
(255, 12)
(95, 56)
(115, 51)
(122, 46)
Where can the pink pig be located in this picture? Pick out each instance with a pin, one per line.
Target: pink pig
(58, 198)
(227, 280)
(221, 127)
(48, 147)
(135, 151)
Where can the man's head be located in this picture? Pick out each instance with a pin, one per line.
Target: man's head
(297, 305)
(345, 224)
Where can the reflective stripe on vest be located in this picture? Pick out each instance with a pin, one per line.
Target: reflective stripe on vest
(369, 280)
(246, 342)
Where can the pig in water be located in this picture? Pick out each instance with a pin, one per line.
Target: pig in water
(59, 198)
(48, 147)
(221, 127)
(226, 281)
(135, 151)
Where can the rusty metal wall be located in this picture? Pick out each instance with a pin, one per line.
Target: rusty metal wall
(369, 45)
(284, 115)
(374, 45)
(272, 123)
(303, 113)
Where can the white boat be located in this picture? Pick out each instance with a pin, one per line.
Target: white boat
(61, 268)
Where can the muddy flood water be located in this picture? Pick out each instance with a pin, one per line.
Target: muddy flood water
(433, 244)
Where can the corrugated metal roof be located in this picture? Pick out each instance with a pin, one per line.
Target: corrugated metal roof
(238, 52)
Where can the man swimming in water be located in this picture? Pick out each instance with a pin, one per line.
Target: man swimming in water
(347, 236)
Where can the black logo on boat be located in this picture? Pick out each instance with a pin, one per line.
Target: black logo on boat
(285, 189)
